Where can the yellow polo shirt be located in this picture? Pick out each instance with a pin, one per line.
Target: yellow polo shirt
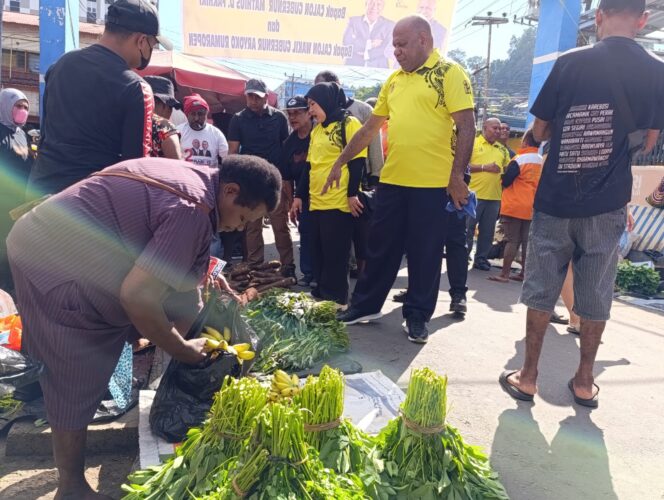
(324, 148)
(422, 137)
(487, 186)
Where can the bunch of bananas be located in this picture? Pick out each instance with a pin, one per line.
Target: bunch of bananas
(284, 386)
(215, 341)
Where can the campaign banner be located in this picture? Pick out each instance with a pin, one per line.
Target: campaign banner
(350, 32)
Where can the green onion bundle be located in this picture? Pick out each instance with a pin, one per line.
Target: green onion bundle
(290, 471)
(425, 458)
(208, 449)
(295, 330)
(341, 446)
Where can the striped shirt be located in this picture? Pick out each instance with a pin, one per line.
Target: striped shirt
(95, 231)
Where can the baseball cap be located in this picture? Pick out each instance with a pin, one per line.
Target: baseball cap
(297, 102)
(636, 6)
(256, 86)
(162, 89)
(137, 16)
(193, 102)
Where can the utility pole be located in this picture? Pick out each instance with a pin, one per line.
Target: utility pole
(292, 78)
(489, 21)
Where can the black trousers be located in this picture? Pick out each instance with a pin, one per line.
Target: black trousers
(331, 237)
(410, 220)
(456, 255)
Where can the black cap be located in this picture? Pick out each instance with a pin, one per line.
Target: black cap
(163, 89)
(634, 6)
(256, 86)
(137, 16)
(297, 102)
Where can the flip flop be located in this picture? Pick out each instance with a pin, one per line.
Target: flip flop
(558, 319)
(573, 329)
(499, 279)
(589, 403)
(516, 277)
(512, 390)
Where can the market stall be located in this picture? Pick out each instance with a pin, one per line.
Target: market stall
(220, 86)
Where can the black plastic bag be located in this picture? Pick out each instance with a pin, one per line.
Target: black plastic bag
(185, 393)
(17, 370)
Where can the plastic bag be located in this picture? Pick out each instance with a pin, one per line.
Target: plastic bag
(185, 393)
(17, 370)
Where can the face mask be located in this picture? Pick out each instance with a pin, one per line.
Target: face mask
(20, 116)
(144, 61)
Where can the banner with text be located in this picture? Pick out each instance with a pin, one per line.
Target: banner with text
(352, 32)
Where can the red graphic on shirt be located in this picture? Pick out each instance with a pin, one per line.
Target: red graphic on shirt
(148, 108)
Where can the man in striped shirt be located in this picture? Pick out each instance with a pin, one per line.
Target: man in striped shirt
(117, 256)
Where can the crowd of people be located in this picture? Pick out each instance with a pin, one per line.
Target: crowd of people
(125, 209)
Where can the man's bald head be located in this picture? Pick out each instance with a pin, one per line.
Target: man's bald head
(416, 24)
(491, 130)
(413, 42)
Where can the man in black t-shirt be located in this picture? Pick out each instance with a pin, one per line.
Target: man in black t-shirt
(97, 111)
(260, 130)
(591, 111)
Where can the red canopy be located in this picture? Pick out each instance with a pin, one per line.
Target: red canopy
(220, 86)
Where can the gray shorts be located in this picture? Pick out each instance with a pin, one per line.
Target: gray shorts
(591, 245)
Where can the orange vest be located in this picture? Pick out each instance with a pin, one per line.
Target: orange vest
(518, 199)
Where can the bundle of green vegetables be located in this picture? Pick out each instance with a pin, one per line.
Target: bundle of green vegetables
(207, 450)
(341, 446)
(427, 459)
(278, 464)
(296, 331)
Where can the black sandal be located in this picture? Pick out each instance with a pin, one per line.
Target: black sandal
(589, 403)
(513, 390)
(558, 319)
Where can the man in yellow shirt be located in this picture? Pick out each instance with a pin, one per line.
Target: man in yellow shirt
(424, 101)
(487, 164)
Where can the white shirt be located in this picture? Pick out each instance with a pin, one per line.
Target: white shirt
(203, 147)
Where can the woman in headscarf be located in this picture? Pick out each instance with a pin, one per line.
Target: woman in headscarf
(331, 213)
(15, 164)
(165, 137)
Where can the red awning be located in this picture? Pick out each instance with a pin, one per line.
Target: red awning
(221, 86)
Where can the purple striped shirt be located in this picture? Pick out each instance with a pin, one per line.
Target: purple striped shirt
(95, 231)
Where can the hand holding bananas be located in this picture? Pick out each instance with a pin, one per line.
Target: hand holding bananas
(217, 342)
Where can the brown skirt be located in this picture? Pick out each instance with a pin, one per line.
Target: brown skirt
(79, 351)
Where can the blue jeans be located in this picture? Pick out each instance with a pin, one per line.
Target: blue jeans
(304, 228)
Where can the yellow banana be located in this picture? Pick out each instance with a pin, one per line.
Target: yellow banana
(280, 385)
(291, 391)
(282, 376)
(295, 380)
(227, 334)
(231, 350)
(214, 332)
(208, 336)
(211, 345)
(242, 347)
(246, 355)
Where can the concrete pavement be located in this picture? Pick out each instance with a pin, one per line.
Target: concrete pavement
(550, 449)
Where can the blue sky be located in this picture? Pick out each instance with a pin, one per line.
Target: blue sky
(471, 39)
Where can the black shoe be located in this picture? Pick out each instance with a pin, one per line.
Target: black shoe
(352, 316)
(458, 305)
(400, 297)
(417, 331)
(482, 266)
(288, 271)
(305, 280)
(315, 293)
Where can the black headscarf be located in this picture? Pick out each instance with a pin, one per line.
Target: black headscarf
(331, 98)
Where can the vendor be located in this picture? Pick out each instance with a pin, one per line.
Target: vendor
(117, 255)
